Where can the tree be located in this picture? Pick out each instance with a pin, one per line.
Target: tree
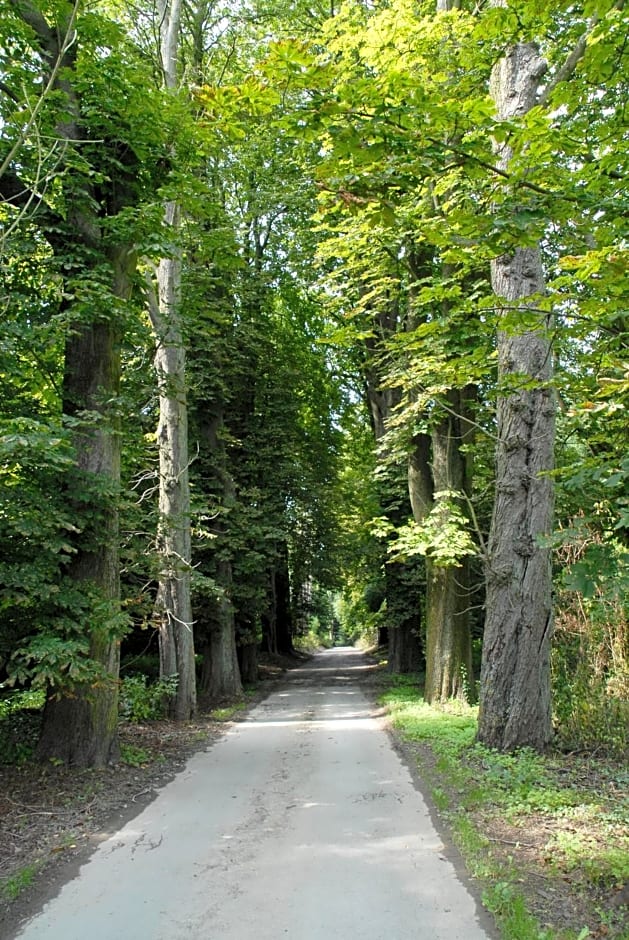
(95, 261)
(173, 605)
(515, 683)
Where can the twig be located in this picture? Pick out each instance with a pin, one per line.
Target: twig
(528, 845)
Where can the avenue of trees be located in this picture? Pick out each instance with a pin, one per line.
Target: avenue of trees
(314, 320)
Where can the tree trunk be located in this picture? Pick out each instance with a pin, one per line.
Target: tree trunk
(515, 707)
(220, 675)
(173, 603)
(283, 611)
(401, 578)
(80, 728)
(248, 663)
(449, 672)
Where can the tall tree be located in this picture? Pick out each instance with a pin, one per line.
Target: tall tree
(95, 261)
(515, 704)
(173, 604)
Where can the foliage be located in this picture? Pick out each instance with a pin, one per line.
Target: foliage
(444, 535)
(341, 208)
(135, 756)
(591, 645)
(141, 700)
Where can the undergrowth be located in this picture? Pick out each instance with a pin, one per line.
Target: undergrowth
(577, 810)
(11, 888)
(142, 700)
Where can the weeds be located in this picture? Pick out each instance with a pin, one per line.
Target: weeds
(590, 658)
(135, 756)
(20, 721)
(12, 887)
(227, 712)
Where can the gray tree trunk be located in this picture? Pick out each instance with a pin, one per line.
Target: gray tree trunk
(515, 704)
(401, 580)
(173, 605)
(81, 728)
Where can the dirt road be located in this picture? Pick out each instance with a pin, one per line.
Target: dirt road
(301, 823)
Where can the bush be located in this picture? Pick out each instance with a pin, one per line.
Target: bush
(590, 658)
(143, 701)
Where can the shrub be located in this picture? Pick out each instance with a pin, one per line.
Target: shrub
(143, 701)
(590, 658)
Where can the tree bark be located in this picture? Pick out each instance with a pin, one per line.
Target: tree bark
(173, 603)
(515, 705)
(283, 611)
(248, 663)
(80, 727)
(221, 674)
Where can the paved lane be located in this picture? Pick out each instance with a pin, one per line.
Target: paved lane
(302, 822)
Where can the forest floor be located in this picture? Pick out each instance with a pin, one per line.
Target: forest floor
(52, 818)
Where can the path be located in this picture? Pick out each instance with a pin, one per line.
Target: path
(301, 823)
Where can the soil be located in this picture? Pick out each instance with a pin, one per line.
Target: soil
(51, 818)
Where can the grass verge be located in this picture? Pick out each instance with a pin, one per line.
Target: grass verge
(546, 836)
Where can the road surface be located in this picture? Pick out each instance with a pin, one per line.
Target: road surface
(302, 822)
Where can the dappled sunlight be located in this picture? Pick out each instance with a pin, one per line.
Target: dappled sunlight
(327, 670)
(352, 722)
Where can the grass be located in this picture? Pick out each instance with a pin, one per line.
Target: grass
(13, 887)
(546, 836)
(228, 711)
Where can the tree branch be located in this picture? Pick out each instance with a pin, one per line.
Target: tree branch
(51, 47)
(16, 192)
(9, 93)
(570, 63)
(573, 58)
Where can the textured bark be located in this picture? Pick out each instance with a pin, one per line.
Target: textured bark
(449, 671)
(80, 728)
(284, 617)
(269, 620)
(173, 603)
(515, 707)
(248, 663)
(221, 674)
